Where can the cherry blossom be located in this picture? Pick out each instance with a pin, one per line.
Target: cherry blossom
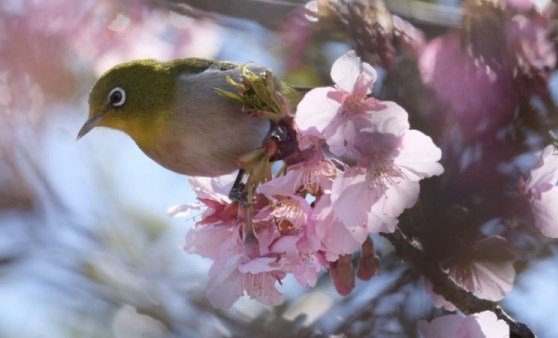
(488, 280)
(542, 192)
(386, 181)
(478, 325)
(390, 158)
(233, 275)
(336, 237)
(287, 230)
(494, 97)
(241, 265)
(313, 175)
(337, 113)
(485, 269)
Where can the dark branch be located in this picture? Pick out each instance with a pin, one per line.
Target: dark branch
(446, 286)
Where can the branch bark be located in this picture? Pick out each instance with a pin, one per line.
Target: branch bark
(446, 286)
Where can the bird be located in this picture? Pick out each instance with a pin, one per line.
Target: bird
(172, 110)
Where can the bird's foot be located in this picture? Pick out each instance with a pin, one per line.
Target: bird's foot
(238, 191)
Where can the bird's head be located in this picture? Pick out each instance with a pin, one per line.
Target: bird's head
(131, 97)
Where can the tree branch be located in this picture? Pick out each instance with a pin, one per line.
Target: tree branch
(446, 286)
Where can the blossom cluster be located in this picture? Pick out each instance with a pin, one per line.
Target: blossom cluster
(361, 169)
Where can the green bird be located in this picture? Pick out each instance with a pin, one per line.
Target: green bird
(174, 114)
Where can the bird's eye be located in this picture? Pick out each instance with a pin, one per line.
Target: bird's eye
(117, 97)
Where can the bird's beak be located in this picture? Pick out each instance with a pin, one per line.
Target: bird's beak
(91, 123)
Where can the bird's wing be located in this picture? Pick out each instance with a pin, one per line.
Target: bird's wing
(198, 65)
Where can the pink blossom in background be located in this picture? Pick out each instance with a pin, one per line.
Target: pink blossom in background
(477, 97)
(481, 95)
(296, 33)
(542, 192)
(488, 280)
(49, 49)
(484, 269)
(534, 52)
(479, 325)
(520, 5)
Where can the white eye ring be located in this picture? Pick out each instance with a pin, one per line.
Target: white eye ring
(117, 97)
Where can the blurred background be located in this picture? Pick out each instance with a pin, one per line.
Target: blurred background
(86, 246)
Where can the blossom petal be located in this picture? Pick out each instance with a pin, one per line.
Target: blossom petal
(285, 185)
(340, 136)
(347, 68)
(418, 156)
(316, 110)
(210, 240)
(184, 210)
(225, 282)
(545, 210)
(261, 287)
(544, 175)
(393, 119)
(490, 280)
(478, 325)
(352, 197)
(397, 198)
(337, 238)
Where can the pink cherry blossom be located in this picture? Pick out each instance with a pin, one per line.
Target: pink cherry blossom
(220, 220)
(338, 113)
(520, 5)
(386, 181)
(287, 230)
(313, 175)
(241, 265)
(478, 325)
(484, 269)
(490, 280)
(336, 237)
(493, 99)
(231, 276)
(487, 279)
(534, 51)
(300, 258)
(542, 192)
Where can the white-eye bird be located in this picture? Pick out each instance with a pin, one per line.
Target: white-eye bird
(174, 114)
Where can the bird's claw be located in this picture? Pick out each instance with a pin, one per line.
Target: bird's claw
(238, 191)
